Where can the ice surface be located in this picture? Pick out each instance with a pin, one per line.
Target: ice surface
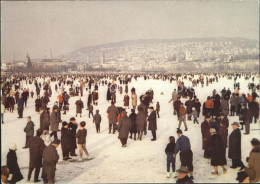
(142, 161)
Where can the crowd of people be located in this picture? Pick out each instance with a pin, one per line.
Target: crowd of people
(54, 130)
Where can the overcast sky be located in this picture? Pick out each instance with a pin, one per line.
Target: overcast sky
(65, 26)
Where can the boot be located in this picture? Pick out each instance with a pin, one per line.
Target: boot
(168, 174)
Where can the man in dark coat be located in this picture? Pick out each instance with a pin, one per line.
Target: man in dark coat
(218, 155)
(66, 141)
(224, 119)
(36, 147)
(29, 129)
(189, 105)
(234, 149)
(254, 109)
(79, 107)
(112, 116)
(97, 120)
(20, 106)
(124, 128)
(205, 128)
(15, 174)
(38, 104)
(24, 96)
(50, 158)
(133, 124)
(45, 119)
(54, 122)
(152, 123)
(246, 117)
(73, 125)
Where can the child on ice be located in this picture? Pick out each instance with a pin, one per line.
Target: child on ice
(195, 115)
(169, 150)
(81, 135)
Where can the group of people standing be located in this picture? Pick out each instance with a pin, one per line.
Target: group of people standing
(143, 117)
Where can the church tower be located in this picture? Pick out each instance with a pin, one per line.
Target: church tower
(29, 62)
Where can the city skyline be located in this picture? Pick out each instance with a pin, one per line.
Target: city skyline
(37, 27)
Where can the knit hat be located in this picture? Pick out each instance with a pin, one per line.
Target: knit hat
(13, 147)
(241, 176)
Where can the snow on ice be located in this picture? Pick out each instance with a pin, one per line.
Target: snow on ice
(142, 161)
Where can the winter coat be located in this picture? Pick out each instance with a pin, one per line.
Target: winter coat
(126, 100)
(234, 151)
(177, 104)
(254, 108)
(37, 105)
(73, 127)
(182, 111)
(152, 121)
(140, 121)
(254, 163)
(170, 148)
(223, 132)
(108, 94)
(209, 104)
(66, 142)
(29, 129)
(50, 159)
(66, 98)
(81, 135)
(13, 167)
(79, 105)
(218, 156)
(189, 105)
(97, 118)
(36, 147)
(133, 123)
(95, 96)
(20, 103)
(112, 114)
(54, 121)
(44, 120)
(134, 99)
(225, 121)
(205, 127)
(246, 115)
(234, 101)
(124, 127)
(157, 107)
(224, 107)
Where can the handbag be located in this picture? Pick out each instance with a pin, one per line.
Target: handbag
(250, 172)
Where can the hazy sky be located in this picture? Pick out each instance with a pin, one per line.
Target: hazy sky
(69, 25)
